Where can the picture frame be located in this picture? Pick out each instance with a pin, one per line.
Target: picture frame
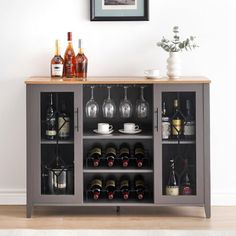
(119, 10)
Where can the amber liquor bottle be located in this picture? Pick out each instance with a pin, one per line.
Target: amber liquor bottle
(69, 58)
(57, 63)
(81, 63)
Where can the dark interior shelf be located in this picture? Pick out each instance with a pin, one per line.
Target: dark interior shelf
(46, 141)
(178, 142)
(116, 170)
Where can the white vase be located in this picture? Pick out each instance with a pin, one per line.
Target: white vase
(174, 65)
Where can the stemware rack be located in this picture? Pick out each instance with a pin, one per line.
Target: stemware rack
(74, 151)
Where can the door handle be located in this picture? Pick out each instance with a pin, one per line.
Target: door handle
(77, 119)
(157, 119)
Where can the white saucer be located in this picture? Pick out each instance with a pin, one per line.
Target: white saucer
(106, 133)
(130, 132)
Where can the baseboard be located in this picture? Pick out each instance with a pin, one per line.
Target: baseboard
(18, 197)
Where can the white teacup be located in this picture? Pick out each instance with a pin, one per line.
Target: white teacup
(104, 127)
(152, 73)
(130, 127)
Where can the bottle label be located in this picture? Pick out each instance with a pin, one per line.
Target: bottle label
(64, 127)
(172, 190)
(139, 183)
(97, 182)
(110, 183)
(189, 128)
(57, 70)
(139, 151)
(124, 183)
(69, 68)
(111, 150)
(51, 132)
(96, 151)
(176, 127)
(166, 130)
(124, 151)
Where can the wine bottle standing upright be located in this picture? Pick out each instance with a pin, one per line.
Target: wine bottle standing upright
(172, 187)
(124, 155)
(57, 63)
(51, 128)
(63, 122)
(189, 125)
(185, 182)
(139, 186)
(125, 187)
(139, 154)
(81, 64)
(110, 155)
(96, 155)
(96, 188)
(69, 58)
(176, 120)
(166, 127)
(110, 187)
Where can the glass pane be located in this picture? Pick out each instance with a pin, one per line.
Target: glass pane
(57, 143)
(179, 143)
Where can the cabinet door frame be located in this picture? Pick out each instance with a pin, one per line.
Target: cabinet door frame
(34, 195)
(161, 199)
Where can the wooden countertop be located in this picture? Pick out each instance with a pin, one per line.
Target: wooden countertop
(119, 80)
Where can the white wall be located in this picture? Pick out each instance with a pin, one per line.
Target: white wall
(28, 29)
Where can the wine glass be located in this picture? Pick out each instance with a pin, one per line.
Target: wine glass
(125, 107)
(92, 107)
(109, 106)
(142, 106)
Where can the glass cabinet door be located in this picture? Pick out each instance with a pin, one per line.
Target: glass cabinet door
(58, 172)
(178, 138)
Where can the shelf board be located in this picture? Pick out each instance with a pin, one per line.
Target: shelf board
(118, 203)
(45, 141)
(180, 142)
(118, 171)
(116, 135)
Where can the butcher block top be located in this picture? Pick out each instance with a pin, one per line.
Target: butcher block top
(119, 80)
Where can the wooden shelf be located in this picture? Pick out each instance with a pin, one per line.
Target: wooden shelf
(45, 141)
(180, 142)
(119, 80)
(116, 135)
(114, 170)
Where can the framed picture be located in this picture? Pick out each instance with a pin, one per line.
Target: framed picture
(119, 10)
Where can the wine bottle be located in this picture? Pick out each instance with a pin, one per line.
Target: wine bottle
(172, 187)
(139, 154)
(124, 155)
(166, 127)
(69, 58)
(96, 155)
(110, 155)
(63, 122)
(185, 183)
(81, 63)
(176, 120)
(57, 63)
(139, 186)
(110, 187)
(96, 188)
(189, 125)
(125, 187)
(51, 130)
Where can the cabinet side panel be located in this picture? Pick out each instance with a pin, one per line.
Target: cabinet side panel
(207, 169)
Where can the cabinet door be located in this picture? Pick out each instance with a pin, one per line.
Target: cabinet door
(54, 164)
(182, 145)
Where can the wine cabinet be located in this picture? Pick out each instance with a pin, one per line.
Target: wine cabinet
(165, 161)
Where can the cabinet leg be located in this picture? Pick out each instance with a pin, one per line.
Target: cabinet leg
(29, 208)
(208, 211)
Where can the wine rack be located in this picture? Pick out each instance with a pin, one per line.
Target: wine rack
(70, 184)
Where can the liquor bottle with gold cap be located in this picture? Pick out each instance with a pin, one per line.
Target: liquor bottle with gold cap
(69, 58)
(57, 63)
(81, 63)
(177, 120)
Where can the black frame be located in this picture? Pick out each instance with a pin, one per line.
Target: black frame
(93, 17)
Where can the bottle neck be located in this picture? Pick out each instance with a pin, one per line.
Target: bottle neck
(58, 52)
(81, 51)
